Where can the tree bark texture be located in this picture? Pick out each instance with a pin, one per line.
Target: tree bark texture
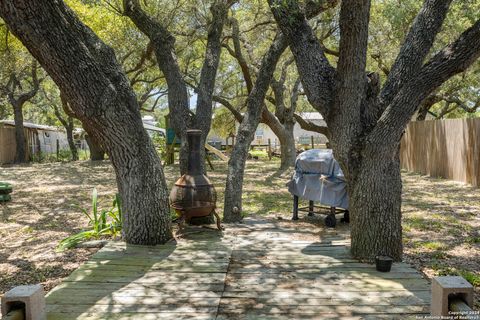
(97, 153)
(246, 131)
(287, 148)
(99, 94)
(71, 141)
(67, 123)
(164, 44)
(17, 97)
(365, 121)
(20, 151)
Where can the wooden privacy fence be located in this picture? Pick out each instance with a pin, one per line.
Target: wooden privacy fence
(443, 148)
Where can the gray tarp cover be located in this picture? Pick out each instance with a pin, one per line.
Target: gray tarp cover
(318, 177)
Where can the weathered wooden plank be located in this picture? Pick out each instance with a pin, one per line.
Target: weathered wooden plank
(166, 287)
(139, 277)
(294, 301)
(138, 308)
(318, 282)
(306, 287)
(334, 274)
(99, 292)
(134, 300)
(129, 316)
(346, 310)
(318, 316)
(305, 267)
(321, 294)
(177, 266)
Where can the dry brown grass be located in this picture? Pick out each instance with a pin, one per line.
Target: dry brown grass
(441, 218)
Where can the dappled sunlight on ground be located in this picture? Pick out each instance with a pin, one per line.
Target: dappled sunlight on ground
(441, 217)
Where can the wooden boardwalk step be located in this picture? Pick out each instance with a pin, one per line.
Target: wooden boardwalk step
(258, 270)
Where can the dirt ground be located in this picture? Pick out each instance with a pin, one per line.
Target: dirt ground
(441, 218)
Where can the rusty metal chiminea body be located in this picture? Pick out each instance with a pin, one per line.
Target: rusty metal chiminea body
(193, 195)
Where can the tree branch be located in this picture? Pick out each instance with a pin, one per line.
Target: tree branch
(453, 59)
(238, 116)
(310, 126)
(315, 71)
(415, 48)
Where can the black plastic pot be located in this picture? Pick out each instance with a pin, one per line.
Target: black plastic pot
(383, 263)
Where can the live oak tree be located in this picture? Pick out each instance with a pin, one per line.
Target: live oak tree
(366, 120)
(457, 97)
(255, 107)
(244, 44)
(62, 113)
(163, 43)
(19, 87)
(281, 122)
(100, 96)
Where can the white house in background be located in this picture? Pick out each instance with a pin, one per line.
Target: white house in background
(150, 125)
(39, 138)
(264, 133)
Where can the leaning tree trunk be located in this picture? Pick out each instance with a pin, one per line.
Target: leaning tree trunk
(232, 210)
(97, 153)
(20, 151)
(71, 142)
(375, 208)
(287, 148)
(236, 167)
(100, 96)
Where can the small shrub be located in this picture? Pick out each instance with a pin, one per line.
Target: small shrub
(101, 222)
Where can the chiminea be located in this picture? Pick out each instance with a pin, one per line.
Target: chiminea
(193, 195)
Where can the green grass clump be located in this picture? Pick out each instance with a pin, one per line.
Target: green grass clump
(472, 277)
(433, 245)
(107, 222)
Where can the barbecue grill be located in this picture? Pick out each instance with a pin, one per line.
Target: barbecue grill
(318, 178)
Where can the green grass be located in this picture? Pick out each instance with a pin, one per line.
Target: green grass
(432, 245)
(261, 154)
(473, 278)
(423, 224)
(472, 240)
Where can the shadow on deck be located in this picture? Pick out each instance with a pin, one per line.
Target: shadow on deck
(261, 269)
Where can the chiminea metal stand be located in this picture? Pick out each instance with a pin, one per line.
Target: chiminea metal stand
(193, 195)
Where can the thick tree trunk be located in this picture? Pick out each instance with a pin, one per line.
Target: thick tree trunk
(21, 152)
(287, 148)
(71, 142)
(375, 209)
(236, 167)
(232, 210)
(97, 153)
(99, 94)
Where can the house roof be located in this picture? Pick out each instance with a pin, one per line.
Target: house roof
(311, 115)
(153, 128)
(30, 125)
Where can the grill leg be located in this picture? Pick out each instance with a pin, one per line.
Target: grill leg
(310, 208)
(295, 208)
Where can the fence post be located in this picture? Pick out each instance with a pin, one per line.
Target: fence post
(269, 149)
(313, 143)
(58, 149)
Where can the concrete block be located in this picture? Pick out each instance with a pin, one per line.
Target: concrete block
(445, 287)
(32, 297)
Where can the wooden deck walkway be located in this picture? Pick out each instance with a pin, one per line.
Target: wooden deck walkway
(257, 270)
